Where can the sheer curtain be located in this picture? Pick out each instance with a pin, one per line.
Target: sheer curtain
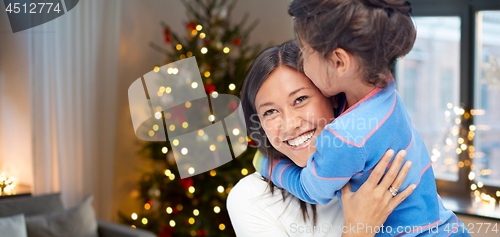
(73, 84)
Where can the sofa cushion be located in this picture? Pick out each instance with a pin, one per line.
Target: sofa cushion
(31, 205)
(78, 221)
(13, 226)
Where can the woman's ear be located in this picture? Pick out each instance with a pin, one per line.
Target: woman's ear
(341, 61)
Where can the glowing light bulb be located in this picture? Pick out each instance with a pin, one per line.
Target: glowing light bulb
(134, 216)
(204, 50)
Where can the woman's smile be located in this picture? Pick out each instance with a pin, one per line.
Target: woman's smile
(292, 112)
(301, 141)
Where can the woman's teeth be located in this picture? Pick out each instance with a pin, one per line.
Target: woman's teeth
(301, 139)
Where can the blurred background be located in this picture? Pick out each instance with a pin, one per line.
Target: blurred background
(65, 123)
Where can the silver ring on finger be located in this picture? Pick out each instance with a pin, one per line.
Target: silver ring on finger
(393, 191)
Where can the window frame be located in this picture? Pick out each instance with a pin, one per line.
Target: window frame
(467, 11)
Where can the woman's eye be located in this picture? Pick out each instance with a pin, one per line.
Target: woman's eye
(269, 112)
(300, 99)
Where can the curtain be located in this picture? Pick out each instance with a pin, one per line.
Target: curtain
(73, 87)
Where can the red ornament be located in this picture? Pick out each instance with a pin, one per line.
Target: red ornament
(202, 233)
(237, 41)
(209, 89)
(186, 183)
(166, 32)
(150, 203)
(251, 143)
(191, 25)
(166, 231)
(207, 42)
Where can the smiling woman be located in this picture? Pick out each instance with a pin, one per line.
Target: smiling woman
(293, 115)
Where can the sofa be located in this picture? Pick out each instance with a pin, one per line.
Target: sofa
(40, 206)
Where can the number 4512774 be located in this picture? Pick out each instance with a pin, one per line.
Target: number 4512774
(32, 8)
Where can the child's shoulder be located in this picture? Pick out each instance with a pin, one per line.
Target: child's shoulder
(361, 120)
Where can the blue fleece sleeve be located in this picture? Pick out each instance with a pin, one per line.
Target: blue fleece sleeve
(328, 169)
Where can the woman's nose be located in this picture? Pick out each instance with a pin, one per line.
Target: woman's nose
(291, 122)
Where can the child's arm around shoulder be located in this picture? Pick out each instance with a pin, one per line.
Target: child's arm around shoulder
(328, 169)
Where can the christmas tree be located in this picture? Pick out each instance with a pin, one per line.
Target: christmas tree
(195, 206)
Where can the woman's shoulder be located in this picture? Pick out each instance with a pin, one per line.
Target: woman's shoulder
(249, 189)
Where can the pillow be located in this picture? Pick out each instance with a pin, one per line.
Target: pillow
(13, 226)
(79, 221)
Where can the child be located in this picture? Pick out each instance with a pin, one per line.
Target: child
(349, 46)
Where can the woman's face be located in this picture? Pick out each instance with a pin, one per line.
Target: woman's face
(293, 112)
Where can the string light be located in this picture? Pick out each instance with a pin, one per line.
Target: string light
(204, 50)
(188, 104)
(222, 226)
(184, 151)
(147, 206)
(199, 27)
(191, 220)
(171, 177)
(236, 131)
(185, 125)
(172, 223)
(191, 189)
(134, 216)
(164, 150)
(189, 54)
(216, 209)
(212, 147)
(155, 127)
(151, 133)
(200, 132)
(182, 56)
(212, 173)
(178, 47)
(194, 32)
(226, 50)
(156, 69)
(202, 35)
(196, 212)
(168, 172)
(194, 85)
(215, 94)
(232, 86)
(169, 210)
(168, 90)
(158, 115)
(175, 142)
(145, 221)
(244, 171)
(171, 127)
(220, 189)
(211, 118)
(191, 170)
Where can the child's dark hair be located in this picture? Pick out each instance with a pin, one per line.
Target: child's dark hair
(375, 31)
(266, 62)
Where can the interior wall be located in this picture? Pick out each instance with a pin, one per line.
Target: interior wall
(140, 22)
(15, 122)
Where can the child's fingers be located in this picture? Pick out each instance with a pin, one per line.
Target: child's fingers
(401, 197)
(379, 170)
(390, 176)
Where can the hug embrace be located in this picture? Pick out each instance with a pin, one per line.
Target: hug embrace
(324, 112)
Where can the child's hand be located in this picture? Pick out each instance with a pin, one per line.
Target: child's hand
(368, 208)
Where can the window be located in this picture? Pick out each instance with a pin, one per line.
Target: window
(428, 82)
(450, 84)
(486, 156)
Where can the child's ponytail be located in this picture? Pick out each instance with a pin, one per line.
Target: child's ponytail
(375, 31)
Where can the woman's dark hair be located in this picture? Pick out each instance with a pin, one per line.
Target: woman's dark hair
(375, 31)
(266, 62)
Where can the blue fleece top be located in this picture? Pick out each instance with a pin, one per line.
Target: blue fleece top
(350, 147)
